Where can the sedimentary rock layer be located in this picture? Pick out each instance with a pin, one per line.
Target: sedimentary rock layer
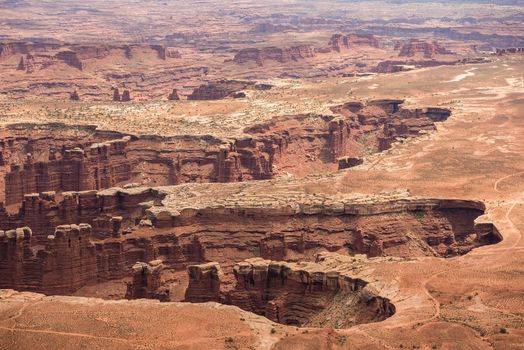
(83, 158)
(301, 294)
(138, 224)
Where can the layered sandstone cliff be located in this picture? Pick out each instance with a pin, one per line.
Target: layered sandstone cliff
(87, 159)
(147, 282)
(127, 226)
(341, 42)
(100, 165)
(275, 54)
(338, 43)
(301, 294)
(414, 47)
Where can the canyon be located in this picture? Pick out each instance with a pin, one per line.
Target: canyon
(85, 158)
(242, 175)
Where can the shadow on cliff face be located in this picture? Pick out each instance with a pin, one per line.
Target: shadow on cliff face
(329, 292)
(324, 293)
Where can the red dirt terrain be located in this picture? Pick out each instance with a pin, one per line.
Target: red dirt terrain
(290, 175)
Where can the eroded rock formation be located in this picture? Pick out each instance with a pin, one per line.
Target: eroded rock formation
(117, 234)
(415, 47)
(74, 96)
(70, 58)
(116, 94)
(204, 282)
(509, 50)
(338, 43)
(173, 96)
(217, 90)
(341, 42)
(66, 262)
(126, 96)
(100, 165)
(281, 55)
(147, 282)
(85, 159)
(301, 294)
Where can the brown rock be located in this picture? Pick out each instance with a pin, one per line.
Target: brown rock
(414, 47)
(147, 282)
(74, 96)
(173, 96)
(340, 42)
(21, 64)
(280, 55)
(70, 58)
(204, 282)
(217, 90)
(116, 94)
(126, 96)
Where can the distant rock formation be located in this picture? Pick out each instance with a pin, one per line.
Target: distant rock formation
(349, 162)
(70, 58)
(116, 94)
(126, 96)
(74, 96)
(166, 52)
(173, 96)
(338, 43)
(217, 90)
(270, 28)
(341, 42)
(171, 52)
(21, 64)
(509, 50)
(415, 47)
(276, 54)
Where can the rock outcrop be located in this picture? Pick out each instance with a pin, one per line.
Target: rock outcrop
(217, 90)
(21, 64)
(147, 282)
(509, 50)
(300, 294)
(116, 95)
(338, 43)
(301, 144)
(74, 96)
(70, 58)
(204, 283)
(97, 166)
(414, 47)
(349, 162)
(67, 261)
(173, 96)
(126, 96)
(341, 42)
(274, 54)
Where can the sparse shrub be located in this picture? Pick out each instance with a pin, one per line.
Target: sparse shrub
(273, 330)
(503, 331)
(419, 214)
